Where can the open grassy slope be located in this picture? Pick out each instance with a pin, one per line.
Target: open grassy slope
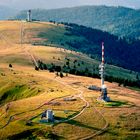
(26, 93)
(123, 117)
(10, 35)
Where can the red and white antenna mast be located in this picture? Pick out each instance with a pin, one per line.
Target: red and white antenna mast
(102, 52)
(101, 72)
(102, 66)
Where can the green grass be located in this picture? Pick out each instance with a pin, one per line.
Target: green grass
(116, 103)
(26, 135)
(59, 115)
(55, 36)
(23, 85)
(134, 88)
(17, 92)
(17, 85)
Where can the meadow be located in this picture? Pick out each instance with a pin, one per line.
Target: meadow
(26, 93)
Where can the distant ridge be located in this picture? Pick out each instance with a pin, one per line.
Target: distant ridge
(6, 12)
(120, 21)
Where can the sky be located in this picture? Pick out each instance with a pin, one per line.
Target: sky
(52, 4)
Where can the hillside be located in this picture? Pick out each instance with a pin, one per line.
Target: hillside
(120, 21)
(24, 114)
(54, 35)
(88, 41)
(25, 93)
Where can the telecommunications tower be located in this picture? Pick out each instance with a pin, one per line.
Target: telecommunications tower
(29, 16)
(102, 72)
(102, 66)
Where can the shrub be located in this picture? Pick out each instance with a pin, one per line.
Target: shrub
(10, 66)
(61, 75)
(36, 68)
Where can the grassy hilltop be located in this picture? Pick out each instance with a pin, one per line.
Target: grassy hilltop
(53, 36)
(25, 93)
(120, 21)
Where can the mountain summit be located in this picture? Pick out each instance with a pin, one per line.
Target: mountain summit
(120, 21)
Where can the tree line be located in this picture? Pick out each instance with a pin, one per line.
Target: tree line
(67, 69)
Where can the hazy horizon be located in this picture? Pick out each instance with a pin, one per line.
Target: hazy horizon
(52, 4)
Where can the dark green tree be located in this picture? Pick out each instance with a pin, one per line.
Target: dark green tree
(10, 66)
(61, 74)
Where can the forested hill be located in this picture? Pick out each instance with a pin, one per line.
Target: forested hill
(6, 12)
(118, 51)
(116, 20)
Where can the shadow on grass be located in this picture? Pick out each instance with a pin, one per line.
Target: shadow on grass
(72, 122)
(52, 136)
(77, 123)
(116, 103)
(28, 135)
